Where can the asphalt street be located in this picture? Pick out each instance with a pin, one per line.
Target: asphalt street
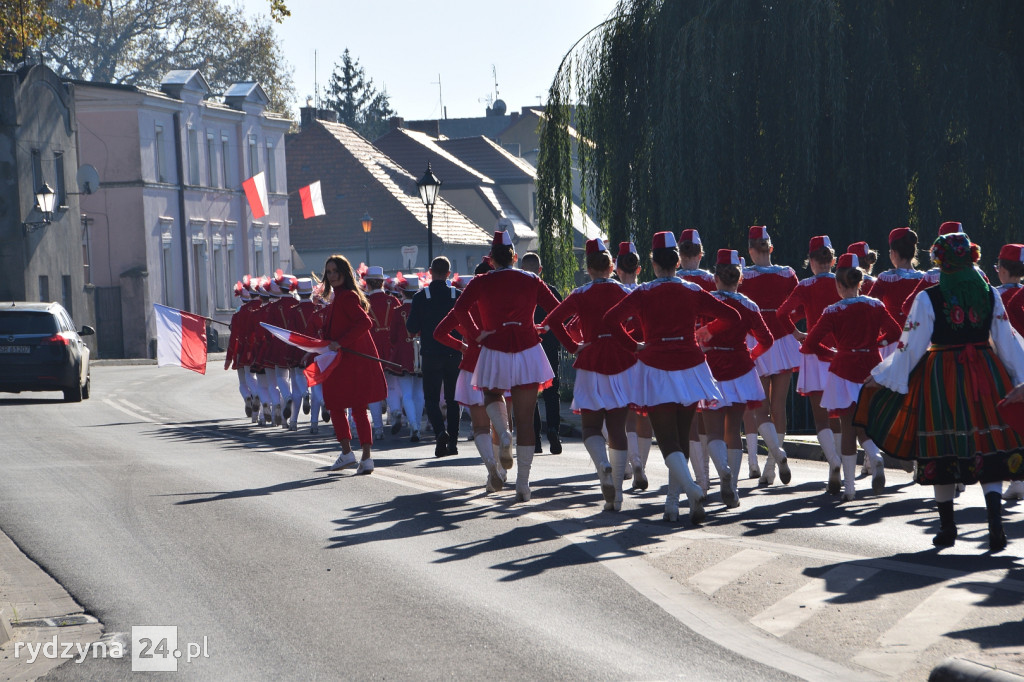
(157, 503)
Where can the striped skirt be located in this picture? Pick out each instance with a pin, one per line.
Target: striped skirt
(948, 420)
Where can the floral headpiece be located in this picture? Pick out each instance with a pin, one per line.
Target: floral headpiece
(954, 251)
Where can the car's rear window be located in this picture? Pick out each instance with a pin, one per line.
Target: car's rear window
(26, 322)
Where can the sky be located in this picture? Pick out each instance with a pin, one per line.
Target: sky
(407, 47)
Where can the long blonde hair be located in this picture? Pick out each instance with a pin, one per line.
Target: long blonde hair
(348, 279)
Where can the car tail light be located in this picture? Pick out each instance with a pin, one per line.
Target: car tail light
(55, 340)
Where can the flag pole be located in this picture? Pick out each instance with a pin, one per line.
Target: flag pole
(387, 363)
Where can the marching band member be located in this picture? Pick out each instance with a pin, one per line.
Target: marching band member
(300, 319)
(732, 366)
(604, 370)
(280, 354)
(931, 277)
(511, 358)
(673, 374)
(355, 382)
(867, 257)
(385, 310)
(236, 344)
(1010, 268)
(316, 327)
(858, 324)
(811, 296)
(405, 351)
(768, 286)
(269, 395)
(896, 286)
(934, 401)
(639, 434)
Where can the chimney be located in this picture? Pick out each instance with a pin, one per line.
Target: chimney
(306, 116)
(396, 122)
(327, 115)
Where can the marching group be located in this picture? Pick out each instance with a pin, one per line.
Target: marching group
(910, 363)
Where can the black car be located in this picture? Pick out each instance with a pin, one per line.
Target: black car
(40, 350)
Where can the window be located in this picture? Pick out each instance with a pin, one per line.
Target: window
(85, 249)
(271, 171)
(193, 156)
(211, 164)
(167, 271)
(61, 190)
(220, 282)
(44, 289)
(224, 160)
(231, 265)
(65, 293)
(257, 253)
(37, 173)
(275, 252)
(199, 284)
(254, 156)
(158, 154)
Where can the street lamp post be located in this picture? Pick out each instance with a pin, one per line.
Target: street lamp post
(429, 185)
(367, 226)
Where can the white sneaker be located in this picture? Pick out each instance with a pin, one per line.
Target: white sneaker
(365, 466)
(1015, 491)
(344, 461)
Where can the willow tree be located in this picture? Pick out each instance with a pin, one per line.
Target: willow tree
(839, 117)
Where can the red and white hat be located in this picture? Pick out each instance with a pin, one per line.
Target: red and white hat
(241, 291)
(859, 249)
(758, 232)
(501, 238)
(248, 282)
(692, 236)
(460, 281)
(950, 227)
(820, 242)
(412, 285)
(898, 233)
(1012, 252)
(664, 240)
(304, 285)
(263, 288)
(730, 257)
(374, 272)
(626, 247)
(848, 260)
(596, 246)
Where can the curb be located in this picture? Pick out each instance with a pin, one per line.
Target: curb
(6, 632)
(962, 670)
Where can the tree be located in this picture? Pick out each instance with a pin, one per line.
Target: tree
(136, 42)
(847, 118)
(23, 23)
(359, 105)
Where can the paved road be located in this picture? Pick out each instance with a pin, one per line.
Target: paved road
(157, 503)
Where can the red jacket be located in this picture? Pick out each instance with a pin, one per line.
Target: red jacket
(727, 352)
(385, 312)
(299, 317)
(667, 310)
(768, 287)
(811, 296)
(469, 348)
(589, 303)
(238, 339)
(403, 344)
(702, 278)
(276, 352)
(894, 288)
(1015, 311)
(355, 381)
(858, 324)
(506, 299)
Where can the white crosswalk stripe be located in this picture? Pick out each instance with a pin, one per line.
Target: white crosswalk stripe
(710, 580)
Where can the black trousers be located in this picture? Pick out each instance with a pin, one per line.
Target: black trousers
(441, 371)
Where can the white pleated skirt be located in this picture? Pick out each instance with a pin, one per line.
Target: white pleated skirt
(783, 356)
(684, 386)
(596, 391)
(498, 370)
(813, 374)
(839, 393)
(465, 394)
(739, 391)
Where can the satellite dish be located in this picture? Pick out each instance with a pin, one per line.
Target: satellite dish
(88, 179)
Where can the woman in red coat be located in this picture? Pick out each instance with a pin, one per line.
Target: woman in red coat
(355, 381)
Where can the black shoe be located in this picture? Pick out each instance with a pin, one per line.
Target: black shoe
(996, 534)
(453, 445)
(325, 416)
(441, 446)
(415, 437)
(537, 449)
(397, 426)
(554, 442)
(305, 404)
(946, 536)
(287, 410)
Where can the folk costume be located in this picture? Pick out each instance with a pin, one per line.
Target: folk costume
(931, 277)
(937, 401)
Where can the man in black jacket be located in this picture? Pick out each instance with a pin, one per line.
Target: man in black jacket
(439, 362)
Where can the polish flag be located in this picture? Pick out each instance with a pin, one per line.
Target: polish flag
(312, 201)
(180, 339)
(321, 367)
(310, 344)
(256, 192)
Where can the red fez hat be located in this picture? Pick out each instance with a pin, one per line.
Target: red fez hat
(501, 238)
(664, 240)
(820, 242)
(729, 257)
(595, 246)
(898, 233)
(848, 260)
(626, 247)
(692, 236)
(860, 249)
(758, 232)
(950, 227)
(1012, 252)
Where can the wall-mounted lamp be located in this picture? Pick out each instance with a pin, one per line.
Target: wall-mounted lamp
(44, 204)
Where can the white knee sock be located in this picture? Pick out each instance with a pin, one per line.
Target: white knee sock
(752, 450)
(699, 462)
(735, 460)
(618, 461)
(597, 449)
(871, 452)
(498, 414)
(486, 449)
(719, 455)
(524, 460)
(771, 439)
(828, 445)
(643, 450)
(837, 438)
(633, 447)
(849, 475)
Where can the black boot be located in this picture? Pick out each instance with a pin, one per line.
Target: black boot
(996, 534)
(554, 442)
(947, 526)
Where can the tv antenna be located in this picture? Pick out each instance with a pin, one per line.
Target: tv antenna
(440, 97)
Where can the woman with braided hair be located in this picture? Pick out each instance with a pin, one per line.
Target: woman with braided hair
(934, 400)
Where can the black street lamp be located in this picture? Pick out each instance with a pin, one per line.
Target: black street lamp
(367, 226)
(44, 204)
(429, 185)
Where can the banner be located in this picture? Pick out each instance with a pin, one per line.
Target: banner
(312, 201)
(180, 339)
(256, 192)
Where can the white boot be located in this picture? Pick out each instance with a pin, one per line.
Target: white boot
(495, 481)
(768, 473)
(774, 443)
(640, 472)
(849, 478)
(633, 448)
(877, 466)
(618, 460)
(524, 460)
(498, 414)
(735, 462)
(828, 445)
(753, 468)
(596, 447)
(678, 469)
(719, 454)
(1014, 491)
(699, 462)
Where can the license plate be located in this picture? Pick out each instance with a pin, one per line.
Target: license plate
(15, 349)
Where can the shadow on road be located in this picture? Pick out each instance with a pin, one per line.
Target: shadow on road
(284, 487)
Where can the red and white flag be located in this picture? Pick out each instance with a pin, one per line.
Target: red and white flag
(256, 192)
(180, 339)
(325, 361)
(312, 201)
(321, 367)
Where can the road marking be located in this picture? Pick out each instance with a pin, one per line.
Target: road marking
(137, 408)
(793, 610)
(127, 411)
(900, 647)
(712, 579)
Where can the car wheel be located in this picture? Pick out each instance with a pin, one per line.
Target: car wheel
(73, 394)
(88, 387)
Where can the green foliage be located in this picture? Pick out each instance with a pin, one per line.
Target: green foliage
(359, 105)
(23, 23)
(846, 117)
